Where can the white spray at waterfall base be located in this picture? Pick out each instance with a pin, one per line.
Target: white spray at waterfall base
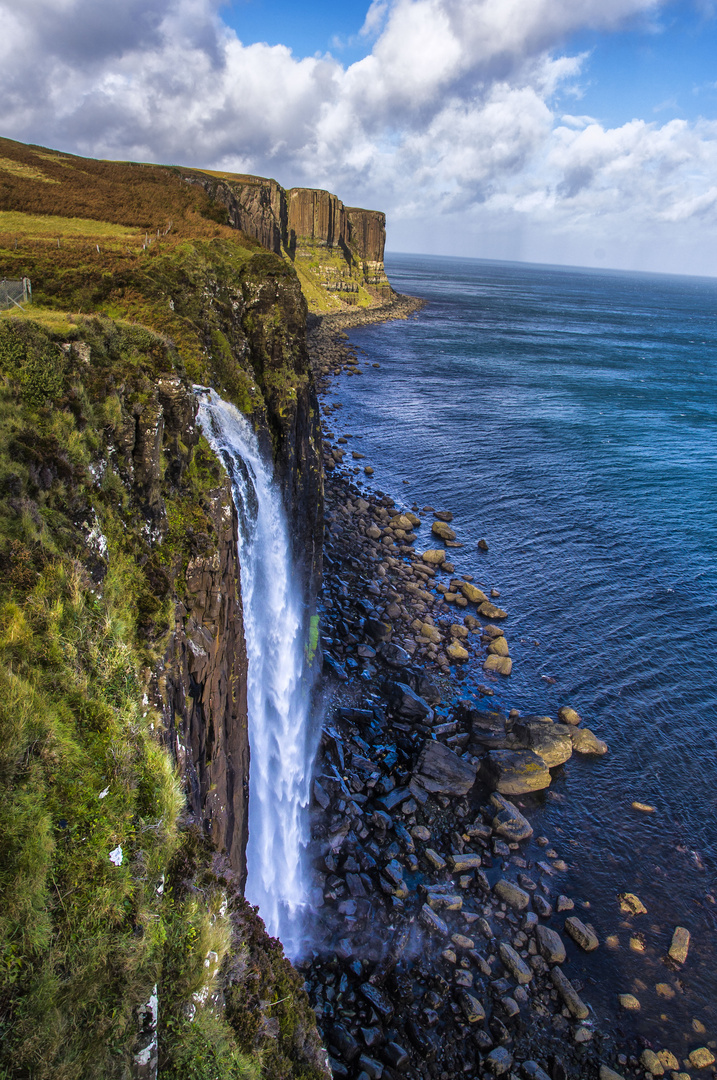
(278, 691)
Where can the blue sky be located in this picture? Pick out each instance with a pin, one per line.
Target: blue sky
(564, 131)
(657, 67)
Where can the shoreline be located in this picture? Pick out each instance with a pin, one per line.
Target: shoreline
(502, 993)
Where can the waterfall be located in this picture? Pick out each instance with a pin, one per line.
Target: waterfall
(280, 736)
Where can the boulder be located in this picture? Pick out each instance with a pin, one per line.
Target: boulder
(701, 1058)
(516, 772)
(583, 935)
(434, 557)
(515, 964)
(394, 655)
(509, 822)
(680, 945)
(472, 1008)
(651, 1062)
(490, 611)
(473, 594)
(586, 742)
(551, 741)
(407, 702)
(379, 631)
(566, 715)
(498, 647)
(442, 531)
(458, 631)
(569, 994)
(457, 652)
(503, 665)
(511, 894)
(440, 770)
(550, 944)
(429, 631)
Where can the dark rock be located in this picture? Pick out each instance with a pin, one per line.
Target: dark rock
(509, 822)
(394, 655)
(379, 631)
(395, 1056)
(551, 741)
(441, 770)
(372, 1068)
(339, 1070)
(344, 1042)
(377, 1000)
(407, 702)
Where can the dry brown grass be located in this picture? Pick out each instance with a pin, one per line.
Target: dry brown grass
(37, 181)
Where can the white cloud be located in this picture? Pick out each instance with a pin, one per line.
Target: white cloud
(451, 112)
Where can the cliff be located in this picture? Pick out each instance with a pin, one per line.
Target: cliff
(121, 628)
(337, 250)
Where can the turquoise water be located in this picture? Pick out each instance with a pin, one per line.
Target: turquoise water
(569, 417)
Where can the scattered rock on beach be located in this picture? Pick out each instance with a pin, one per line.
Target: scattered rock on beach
(680, 945)
(517, 772)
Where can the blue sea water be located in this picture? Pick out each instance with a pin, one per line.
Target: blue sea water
(569, 416)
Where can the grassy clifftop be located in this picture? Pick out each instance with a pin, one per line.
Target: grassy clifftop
(113, 898)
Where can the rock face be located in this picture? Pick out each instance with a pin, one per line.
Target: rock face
(306, 224)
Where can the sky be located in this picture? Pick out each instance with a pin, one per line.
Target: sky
(559, 131)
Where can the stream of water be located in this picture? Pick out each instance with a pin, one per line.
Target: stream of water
(280, 730)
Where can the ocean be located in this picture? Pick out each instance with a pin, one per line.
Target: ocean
(568, 416)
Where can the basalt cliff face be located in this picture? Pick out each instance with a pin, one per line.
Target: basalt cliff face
(337, 250)
(121, 630)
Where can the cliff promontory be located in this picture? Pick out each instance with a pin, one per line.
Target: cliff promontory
(337, 250)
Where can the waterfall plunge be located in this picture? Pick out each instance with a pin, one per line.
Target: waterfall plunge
(280, 737)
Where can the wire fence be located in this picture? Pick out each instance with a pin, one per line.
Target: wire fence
(14, 293)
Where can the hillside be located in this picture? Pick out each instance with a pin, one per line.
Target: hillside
(127, 947)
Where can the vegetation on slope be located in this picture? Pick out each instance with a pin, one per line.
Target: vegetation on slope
(108, 892)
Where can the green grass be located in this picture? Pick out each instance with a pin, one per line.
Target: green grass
(11, 221)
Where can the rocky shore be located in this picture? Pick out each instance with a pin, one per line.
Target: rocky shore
(444, 942)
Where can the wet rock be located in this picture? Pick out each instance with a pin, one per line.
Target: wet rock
(498, 647)
(472, 1008)
(440, 770)
(567, 715)
(501, 665)
(434, 557)
(701, 1058)
(607, 1073)
(442, 531)
(457, 653)
(586, 742)
(583, 935)
(533, 1071)
(631, 904)
(483, 544)
(432, 921)
(517, 772)
(442, 515)
(511, 894)
(490, 611)
(509, 822)
(569, 994)
(473, 594)
(542, 906)
(437, 861)
(680, 945)
(420, 832)
(344, 1042)
(628, 1001)
(515, 964)
(565, 903)
(394, 655)
(407, 702)
(396, 1057)
(379, 631)
(652, 1063)
(499, 1061)
(372, 1068)
(550, 944)
(551, 741)
(378, 1000)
